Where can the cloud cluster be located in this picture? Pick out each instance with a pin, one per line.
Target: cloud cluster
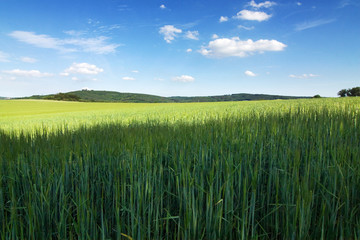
(252, 15)
(183, 78)
(169, 32)
(303, 76)
(194, 35)
(28, 73)
(266, 4)
(82, 68)
(96, 45)
(234, 47)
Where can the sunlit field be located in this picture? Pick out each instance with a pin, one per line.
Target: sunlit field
(235, 170)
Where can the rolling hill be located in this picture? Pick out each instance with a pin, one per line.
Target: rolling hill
(111, 96)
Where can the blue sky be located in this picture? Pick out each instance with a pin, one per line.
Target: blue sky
(179, 48)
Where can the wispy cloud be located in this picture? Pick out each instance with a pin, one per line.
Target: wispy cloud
(4, 57)
(97, 45)
(128, 78)
(313, 23)
(183, 78)
(234, 47)
(28, 60)
(246, 28)
(169, 32)
(266, 4)
(304, 76)
(28, 73)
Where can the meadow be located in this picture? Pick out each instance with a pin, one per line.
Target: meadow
(286, 169)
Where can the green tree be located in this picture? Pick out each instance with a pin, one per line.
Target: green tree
(343, 93)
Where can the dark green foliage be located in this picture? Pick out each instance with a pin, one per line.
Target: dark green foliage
(63, 97)
(108, 96)
(351, 92)
(317, 96)
(291, 175)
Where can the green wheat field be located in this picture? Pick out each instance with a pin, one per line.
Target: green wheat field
(284, 169)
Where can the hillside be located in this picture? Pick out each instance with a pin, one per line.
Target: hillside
(111, 96)
(232, 97)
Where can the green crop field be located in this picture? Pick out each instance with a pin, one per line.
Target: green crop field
(284, 169)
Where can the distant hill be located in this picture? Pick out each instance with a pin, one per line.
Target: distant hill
(232, 97)
(110, 96)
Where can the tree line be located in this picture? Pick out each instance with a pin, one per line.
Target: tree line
(350, 92)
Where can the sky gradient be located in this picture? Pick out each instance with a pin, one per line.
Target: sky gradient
(179, 48)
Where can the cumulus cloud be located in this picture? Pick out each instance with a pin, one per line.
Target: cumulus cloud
(162, 6)
(95, 45)
(266, 4)
(304, 76)
(299, 3)
(312, 24)
(82, 68)
(183, 78)
(169, 32)
(28, 73)
(28, 60)
(252, 15)
(192, 35)
(250, 73)
(3, 57)
(188, 50)
(234, 47)
(223, 19)
(128, 78)
(214, 36)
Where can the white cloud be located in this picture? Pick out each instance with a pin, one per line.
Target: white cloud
(252, 15)
(223, 19)
(82, 68)
(192, 35)
(95, 45)
(28, 73)
(162, 6)
(266, 4)
(214, 36)
(135, 71)
(28, 60)
(74, 78)
(234, 47)
(299, 3)
(188, 50)
(183, 78)
(246, 28)
(128, 78)
(303, 76)
(312, 24)
(250, 73)
(169, 32)
(3, 57)
(158, 79)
